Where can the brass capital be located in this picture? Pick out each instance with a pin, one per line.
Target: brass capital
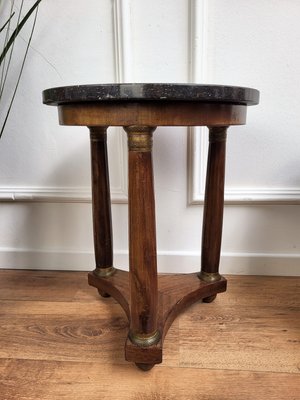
(139, 138)
(98, 132)
(217, 133)
(144, 340)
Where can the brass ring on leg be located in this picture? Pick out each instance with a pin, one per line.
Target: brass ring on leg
(104, 272)
(144, 340)
(209, 276)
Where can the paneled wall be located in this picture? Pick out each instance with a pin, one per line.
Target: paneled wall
(45, 207)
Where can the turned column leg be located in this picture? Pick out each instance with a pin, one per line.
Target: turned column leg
(142, 239)
(101, 204)
(213, 207)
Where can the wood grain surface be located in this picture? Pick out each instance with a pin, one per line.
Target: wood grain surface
(214, 200)
(142, 232)
(60, 340)
(151, 114)
(101, 202)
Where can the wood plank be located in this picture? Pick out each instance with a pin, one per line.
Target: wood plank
(60, 340)
(69, 331)
(257, 338)
(69, 286)
(46, 380)
(262, 291)
(44, 285)
(254, 326)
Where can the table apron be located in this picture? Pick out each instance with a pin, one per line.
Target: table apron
(152, 114)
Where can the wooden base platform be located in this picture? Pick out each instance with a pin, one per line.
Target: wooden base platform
(175, 293)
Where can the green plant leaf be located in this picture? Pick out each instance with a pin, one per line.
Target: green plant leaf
(20, 74)
(7, 22)
(17, 30)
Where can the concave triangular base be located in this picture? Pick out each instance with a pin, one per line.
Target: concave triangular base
(176, 292)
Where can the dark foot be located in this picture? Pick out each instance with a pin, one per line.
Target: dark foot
(209, 299)
(144, 367)
(103, 294)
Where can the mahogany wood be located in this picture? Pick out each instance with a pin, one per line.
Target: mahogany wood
(116, 285)
(101, 198)
(176, 292)
(142, 233)
(152, 303)
(213, 202)
(152, 114)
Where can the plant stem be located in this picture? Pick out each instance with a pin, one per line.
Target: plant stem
(5, 41)
(7, 22)
(2, 84)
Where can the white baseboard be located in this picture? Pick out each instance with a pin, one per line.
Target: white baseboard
(168, 262)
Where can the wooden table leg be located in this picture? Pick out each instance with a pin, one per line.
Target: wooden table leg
(213, 207)
(143, 330)
(101, 204)
(152, 302)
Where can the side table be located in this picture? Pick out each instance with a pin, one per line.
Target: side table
(152, 302)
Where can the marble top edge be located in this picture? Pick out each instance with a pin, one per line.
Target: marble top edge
(151, 92)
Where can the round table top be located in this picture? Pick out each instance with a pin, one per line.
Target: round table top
(158, 92)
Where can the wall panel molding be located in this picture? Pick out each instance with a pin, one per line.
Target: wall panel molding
(251, 196)
(198, 136)
(55, 194)
(122, 41)
(123, 72)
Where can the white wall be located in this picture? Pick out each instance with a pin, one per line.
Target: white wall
(45, 209)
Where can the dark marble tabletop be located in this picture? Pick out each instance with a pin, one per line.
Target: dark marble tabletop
(151, 92)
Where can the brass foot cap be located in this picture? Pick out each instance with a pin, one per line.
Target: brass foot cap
(144, 340)
(104, 272)
(209, 276)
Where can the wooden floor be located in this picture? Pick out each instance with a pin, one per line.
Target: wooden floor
(60, 340)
